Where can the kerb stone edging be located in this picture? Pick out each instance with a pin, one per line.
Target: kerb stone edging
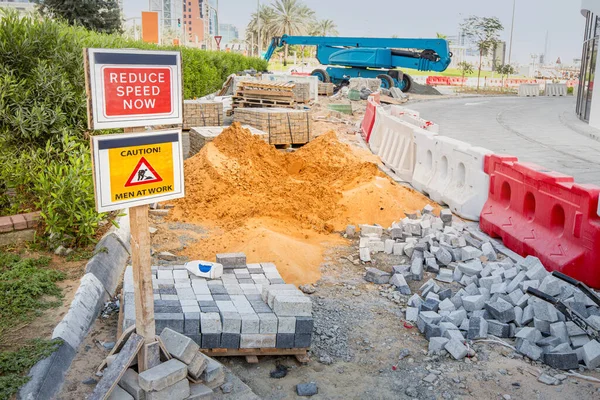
(103, 274)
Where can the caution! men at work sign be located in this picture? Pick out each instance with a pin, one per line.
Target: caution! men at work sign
(138, 168)
(130, 88)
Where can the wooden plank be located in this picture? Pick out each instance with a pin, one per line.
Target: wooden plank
(118, 346)
(142, 278)
(253, 352)
(115, 371)
(302, 358)
(163, 349)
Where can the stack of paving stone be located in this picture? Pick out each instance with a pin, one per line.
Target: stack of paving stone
(325, 89)
(284, 126)
(491, 299)
(249, 307)
(202, 113)
(302, 92)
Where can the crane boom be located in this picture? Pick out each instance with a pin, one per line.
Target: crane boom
(371, 57)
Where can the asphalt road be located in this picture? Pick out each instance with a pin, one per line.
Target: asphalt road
(541, 130)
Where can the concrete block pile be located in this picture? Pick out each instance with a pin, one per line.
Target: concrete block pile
(249, 307)
(489, 296)
(188, 375)
(202, 113)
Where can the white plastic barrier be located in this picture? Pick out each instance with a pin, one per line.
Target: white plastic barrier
(425, 144)
(529, 90)
(393, 141)
(413, 117)
(556, 89)
(451, 172)
(468, 189)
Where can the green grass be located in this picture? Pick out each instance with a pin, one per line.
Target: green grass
(27, 286)
(14, 364)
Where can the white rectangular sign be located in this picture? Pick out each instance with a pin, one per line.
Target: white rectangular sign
(136, 169)
(132, 88)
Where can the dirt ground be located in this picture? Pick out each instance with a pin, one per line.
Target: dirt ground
(361, 347)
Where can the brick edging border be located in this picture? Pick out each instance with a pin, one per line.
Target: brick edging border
(19, 222)
(103, 274)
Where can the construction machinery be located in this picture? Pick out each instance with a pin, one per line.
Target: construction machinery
(353, 57)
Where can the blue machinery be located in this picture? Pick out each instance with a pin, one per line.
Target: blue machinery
(371, 57)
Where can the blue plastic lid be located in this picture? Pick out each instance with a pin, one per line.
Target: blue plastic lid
(204, 267)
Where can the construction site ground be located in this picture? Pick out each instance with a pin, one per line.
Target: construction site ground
(361, 348)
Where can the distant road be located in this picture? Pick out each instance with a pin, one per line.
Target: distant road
(542, 130)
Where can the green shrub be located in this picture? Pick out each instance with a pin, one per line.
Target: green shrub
(570, 90)
(44, 152)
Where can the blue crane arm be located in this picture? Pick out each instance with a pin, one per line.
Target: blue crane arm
(421, 54)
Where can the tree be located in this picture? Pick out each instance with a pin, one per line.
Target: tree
(484, 32)
(504, 71)
(266, 15)
(465, 68)
(99, 15)
(291, 17)
(440, 35)
(324, 27)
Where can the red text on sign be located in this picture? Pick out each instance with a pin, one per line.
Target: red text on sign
(137, 91)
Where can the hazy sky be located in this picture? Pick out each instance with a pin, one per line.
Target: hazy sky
(561, 18)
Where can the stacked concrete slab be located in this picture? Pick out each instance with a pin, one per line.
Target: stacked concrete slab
(490, 299)
(249, 307)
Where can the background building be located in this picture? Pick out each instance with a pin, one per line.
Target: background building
(588, 103)
(229, 33)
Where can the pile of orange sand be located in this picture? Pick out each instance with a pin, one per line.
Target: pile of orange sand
(279, 206)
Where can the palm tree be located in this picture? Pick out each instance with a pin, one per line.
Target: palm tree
(291, 17)
(266, 23)
(324, 27)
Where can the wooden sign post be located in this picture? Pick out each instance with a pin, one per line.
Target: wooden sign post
(135, 89)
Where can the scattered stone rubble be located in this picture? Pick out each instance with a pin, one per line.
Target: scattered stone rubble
(249, 307)
(491, 301)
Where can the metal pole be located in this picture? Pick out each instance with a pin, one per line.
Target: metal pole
(512, 27)
(258, 29)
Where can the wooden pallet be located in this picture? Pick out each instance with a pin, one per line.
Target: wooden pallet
(259, 93)
(264, 102)
(253, 354)
(267, 85)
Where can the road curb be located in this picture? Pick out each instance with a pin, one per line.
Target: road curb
(103, 274)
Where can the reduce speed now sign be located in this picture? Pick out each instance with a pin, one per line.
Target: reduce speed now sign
(132, 88)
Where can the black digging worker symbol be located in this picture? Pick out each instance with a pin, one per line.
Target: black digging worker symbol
(141, 175)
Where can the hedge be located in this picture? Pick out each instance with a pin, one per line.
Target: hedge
(43, 140)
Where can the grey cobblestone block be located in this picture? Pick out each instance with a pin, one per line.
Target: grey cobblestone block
(473, 303)
(232, 260)
(290, 306)
(180, 390)
(268, 323)
(230, 340)
(455, 334)
(178, 345)
(286, 325)
(302, 340)
(231, 322)
(430, 305)
(197, 365)
(564, 360)
(191, 323)
(210, 322)
(163, 375)
(498, 329)
(130, 383)
(529, 349)
(478, 328)
(501, 311)
(377, 276)
(200, 392)
(119, 393)
(456, 349)
(211, 340)
(172, 321)
(250, 323)
(285, 340)
(251, 341)
(432, 330)
(591, 354)
(544, 311)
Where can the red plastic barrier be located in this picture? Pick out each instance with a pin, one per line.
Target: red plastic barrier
(544, 214)
(454, 81)
(296, 73)
(369, 119)
(437, 81)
